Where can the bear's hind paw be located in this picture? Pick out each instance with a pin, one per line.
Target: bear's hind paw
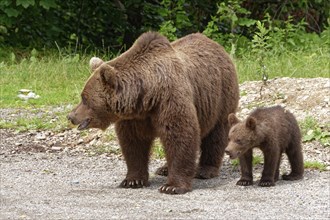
(134, 184)
(162, 171)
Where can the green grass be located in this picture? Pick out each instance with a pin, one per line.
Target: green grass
(315, 165)
(255, 161)
(57, 81)
(297, 64)
(311, 130)
(39, 122)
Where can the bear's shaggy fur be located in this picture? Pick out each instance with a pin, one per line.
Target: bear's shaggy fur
(275, 131)
(181, 92)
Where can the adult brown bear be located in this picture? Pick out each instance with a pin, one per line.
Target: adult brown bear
(181, 92)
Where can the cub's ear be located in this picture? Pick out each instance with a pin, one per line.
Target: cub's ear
(95, 62)
(251, 123)
(232, 119)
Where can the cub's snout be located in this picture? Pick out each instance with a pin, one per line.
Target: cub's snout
(233, 154)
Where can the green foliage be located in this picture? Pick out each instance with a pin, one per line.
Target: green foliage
(311, 130)
(158, 150)
(255, 161)
(315, 165)
(228, 24)
(175, 18)
(167, 29)
(113, 25)
(260, 46)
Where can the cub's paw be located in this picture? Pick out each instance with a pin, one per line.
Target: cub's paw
(173, 189)
(244, 182)
(207, 172)
(162, 171)
(266, 183)
(129, 183)
(292, 177)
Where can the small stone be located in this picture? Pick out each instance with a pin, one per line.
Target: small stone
(80, 141)
(40, 136)
(75, 182)
(56, 148)
(18, 144)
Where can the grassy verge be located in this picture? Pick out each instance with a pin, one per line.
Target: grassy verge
(59, 80)
(296, 64)
(56, 81)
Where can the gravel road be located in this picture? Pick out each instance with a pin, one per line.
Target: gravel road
(57, 175)
(49, 186)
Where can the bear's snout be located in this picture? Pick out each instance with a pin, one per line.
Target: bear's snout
(232, 153)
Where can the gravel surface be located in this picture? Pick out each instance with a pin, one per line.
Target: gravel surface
(74, 175)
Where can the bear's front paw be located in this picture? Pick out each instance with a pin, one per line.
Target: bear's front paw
(134, 183)
(162, 171)
(266, 183)
(173, 189)
(244, 182)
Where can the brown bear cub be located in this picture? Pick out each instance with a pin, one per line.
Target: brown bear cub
(275, 131)
(181, 92)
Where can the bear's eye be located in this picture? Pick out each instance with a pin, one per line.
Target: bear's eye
(238, 141)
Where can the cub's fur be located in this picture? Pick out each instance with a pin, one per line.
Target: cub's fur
(275, 131)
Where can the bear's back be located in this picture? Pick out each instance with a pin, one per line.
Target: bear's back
(212, 75)
(280, 123)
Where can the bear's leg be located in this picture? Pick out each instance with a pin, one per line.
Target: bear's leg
(212, 151)
(245, 162)
(180, 136)
(135, 140)
(296, 160)
(271, 156)
(277, 172)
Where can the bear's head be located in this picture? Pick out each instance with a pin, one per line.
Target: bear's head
(94, 111)
(243, 135)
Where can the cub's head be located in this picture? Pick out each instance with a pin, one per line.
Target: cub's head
(94, 110)
(243, 135)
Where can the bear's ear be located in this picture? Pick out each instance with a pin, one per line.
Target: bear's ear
(251, 123)
(107, 74)
(94, 63)
(232, 119)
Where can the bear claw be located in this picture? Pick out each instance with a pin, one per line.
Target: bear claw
(266, 183)
(134, 184)
(172, 189)
(244, 182)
